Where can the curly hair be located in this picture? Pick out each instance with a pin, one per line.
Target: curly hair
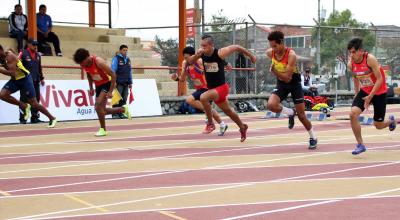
(80, 55)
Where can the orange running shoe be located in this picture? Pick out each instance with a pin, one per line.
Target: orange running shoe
(209, 128)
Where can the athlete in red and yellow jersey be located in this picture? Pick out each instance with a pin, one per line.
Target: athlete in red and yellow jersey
(370, 86)
(284, 67)
(104, 79)
(196, 74)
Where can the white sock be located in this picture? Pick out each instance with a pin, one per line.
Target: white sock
(222, 124)
(287, 111)
(311, 133)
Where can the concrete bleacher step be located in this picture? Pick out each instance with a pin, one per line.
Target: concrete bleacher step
(101, 49)
(85, 33)
(119, 39)
(168, 85)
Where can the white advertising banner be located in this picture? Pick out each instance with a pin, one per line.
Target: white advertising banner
(70, 100)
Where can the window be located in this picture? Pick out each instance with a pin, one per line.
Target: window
(300, 42)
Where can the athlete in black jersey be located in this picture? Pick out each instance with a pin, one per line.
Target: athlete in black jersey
(213, 62)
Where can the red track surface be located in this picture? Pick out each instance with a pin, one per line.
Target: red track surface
(351, 208)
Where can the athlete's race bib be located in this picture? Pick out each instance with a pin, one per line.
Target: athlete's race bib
(280, 67)
(197, 82)
(211, 67)
(365, 81)
(96, 77)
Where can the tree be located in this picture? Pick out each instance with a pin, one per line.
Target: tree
(334, 40)
(168, 50)
(219, 18)
(392, 50)
(222, 33)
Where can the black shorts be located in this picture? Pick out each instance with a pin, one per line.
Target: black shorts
(103, 88)
(196, 94)
(378, 101)
(25, 85)
(295, 89)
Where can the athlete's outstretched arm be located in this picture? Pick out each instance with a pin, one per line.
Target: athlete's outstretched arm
(226, 51)
(192, 59)
(182, 77)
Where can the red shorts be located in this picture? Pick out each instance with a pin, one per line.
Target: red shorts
(223, 91)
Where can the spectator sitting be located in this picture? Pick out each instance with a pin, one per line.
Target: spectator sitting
(45, 26)
(306, 83)
(18, 25)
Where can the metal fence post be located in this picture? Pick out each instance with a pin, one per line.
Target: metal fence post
(234, 42)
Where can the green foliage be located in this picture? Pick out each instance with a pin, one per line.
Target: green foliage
(222, 33)
(219, 18)
(392, 51)
(334, 40)
(168, 50)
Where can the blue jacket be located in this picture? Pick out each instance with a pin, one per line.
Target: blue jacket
(43, 22)
(33, 65)
(122, 68)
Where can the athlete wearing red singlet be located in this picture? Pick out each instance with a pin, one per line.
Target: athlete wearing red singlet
(370, 86)
(104, 79)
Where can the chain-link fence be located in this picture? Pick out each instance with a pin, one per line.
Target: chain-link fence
(329, 75)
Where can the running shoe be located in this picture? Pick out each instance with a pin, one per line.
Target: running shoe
(27, 112)
(101, 133)
(313, 144)
(222, 129)
(52, 123)
(393, 123)
(127, 113)
(209, 128)
(359, 149)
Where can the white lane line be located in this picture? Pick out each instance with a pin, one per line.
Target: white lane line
(304, 206)
(187, 170)
(117, 161)
(109, 139)
(217, 206)
(132, 201)
(236, 185)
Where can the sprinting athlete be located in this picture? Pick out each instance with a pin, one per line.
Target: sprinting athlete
(196, 74)
(370, 87)
(288, 81)
(21, 79)
(99, 73)
(218, 89)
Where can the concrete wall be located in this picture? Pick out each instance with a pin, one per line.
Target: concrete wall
(170, 105)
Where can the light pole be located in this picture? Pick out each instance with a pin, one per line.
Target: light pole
(376, 38)
(202, 17)
(255, 53)
(319, 39)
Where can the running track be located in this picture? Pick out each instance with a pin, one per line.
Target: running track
(164, 168)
